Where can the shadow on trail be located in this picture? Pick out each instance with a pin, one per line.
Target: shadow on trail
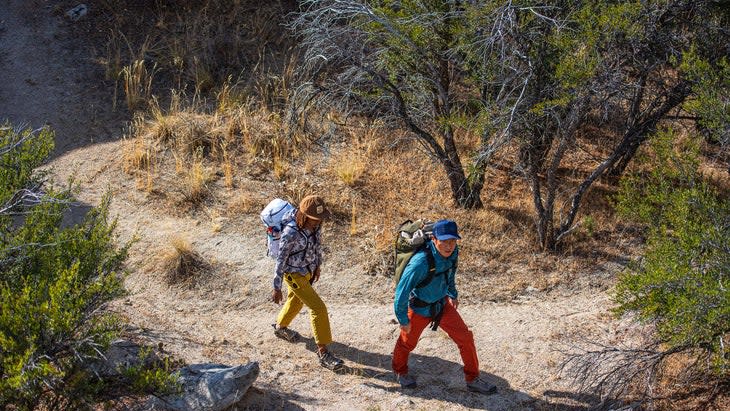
(440, 379)
(51, 76)
(270, 399)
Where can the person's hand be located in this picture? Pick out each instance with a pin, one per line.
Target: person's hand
(455, 303)
(276, 296)
(315, 276)
(406, 328)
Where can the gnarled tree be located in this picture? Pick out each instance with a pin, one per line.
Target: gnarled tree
(535, 73)
(611, 65)
(401, 62)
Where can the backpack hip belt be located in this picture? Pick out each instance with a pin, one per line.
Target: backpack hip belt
(435, 309)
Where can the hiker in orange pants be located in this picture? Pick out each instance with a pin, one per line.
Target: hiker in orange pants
(426, 294)
(456, 329)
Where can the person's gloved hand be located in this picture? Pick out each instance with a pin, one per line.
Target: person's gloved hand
(315, 276)
(276, 296)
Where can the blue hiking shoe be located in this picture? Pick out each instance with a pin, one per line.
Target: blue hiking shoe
(406, 381)
(481, 386)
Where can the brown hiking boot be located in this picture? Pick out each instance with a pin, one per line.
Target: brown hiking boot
(286, 334)
(329, 361)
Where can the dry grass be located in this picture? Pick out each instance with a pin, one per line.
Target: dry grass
(242, 203)
(139, 157)
(244, 140)
(373, 178)
(200, 44)
(184, 266)
(195, 181)
(349, 166)
(137, 84)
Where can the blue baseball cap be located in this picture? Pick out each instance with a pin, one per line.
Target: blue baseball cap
(445, 230)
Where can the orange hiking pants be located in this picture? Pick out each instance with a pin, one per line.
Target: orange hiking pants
(453, 325)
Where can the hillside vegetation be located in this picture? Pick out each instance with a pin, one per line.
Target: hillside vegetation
(566, 139)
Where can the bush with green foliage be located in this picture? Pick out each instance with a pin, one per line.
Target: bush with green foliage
(152, 374)
(54, 282)
(711, 103)
(682, 283)
(468, 79)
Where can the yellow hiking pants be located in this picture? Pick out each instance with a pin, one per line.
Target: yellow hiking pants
(301, 293)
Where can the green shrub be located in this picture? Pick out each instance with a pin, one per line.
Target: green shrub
(681, 285)
(54, 283)
(152, 376)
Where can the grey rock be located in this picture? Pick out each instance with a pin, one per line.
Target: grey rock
(77, 12)
(205, 387)
(208, 387)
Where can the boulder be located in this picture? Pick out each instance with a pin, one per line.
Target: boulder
(208, 387)
(204, 387)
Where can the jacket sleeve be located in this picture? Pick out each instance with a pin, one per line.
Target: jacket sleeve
(414, 272)
(319, 249)
(286, 242)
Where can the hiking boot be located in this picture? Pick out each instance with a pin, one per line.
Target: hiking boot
(406, 381)
(329, 361)
(286, 333)
(481, 386)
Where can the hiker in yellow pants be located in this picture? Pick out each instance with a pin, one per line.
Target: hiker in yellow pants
(301, 293)
(298, 264)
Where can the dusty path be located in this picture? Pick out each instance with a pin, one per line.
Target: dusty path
(47, 79)
(227, 319)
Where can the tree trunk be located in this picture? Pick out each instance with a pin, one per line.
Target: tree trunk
(544, 160)
(639, 131)
(542, 222)
(466, 194)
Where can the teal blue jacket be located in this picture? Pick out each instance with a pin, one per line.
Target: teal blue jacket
(417, 270)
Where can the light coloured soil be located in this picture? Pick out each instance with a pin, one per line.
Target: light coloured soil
(227, 317)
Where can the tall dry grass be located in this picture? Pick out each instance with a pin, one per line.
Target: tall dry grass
(137, 84)
(234, 127)
(199, 44)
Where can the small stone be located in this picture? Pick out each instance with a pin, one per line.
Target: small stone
(77, 12)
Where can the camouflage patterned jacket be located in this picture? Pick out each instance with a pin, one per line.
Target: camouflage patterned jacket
(300, 250)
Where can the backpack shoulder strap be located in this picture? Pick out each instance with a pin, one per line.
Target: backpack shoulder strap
(431, 268)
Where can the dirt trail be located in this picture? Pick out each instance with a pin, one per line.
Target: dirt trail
(49, 78)
(227, 318)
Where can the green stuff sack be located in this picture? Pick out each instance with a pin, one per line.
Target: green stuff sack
(412, 237)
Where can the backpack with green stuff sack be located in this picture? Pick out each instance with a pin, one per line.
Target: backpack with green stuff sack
(413, 236)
